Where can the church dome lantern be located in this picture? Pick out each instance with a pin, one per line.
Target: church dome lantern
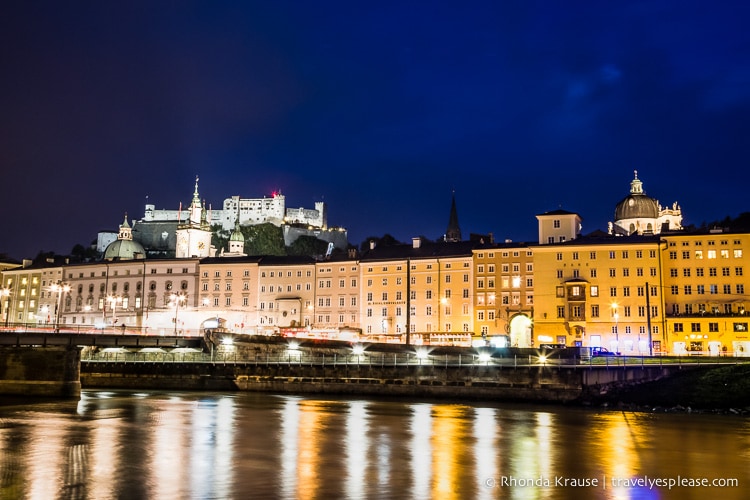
(637, 205)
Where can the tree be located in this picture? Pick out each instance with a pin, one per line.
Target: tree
(308, 245)
(384, 241)
(264, 239)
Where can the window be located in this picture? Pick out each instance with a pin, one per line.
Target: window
(678, 327)
(594, 311)
(560, 311)
(613, 291)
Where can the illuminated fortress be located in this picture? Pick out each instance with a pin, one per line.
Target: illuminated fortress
(250, 211)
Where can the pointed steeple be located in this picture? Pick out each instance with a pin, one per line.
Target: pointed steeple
(453, 233)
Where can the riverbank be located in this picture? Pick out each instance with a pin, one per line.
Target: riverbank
(723, 389)
(270, 364)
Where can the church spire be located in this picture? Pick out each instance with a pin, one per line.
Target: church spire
(453, 233)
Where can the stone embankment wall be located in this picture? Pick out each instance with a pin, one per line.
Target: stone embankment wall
(470, 382)
(267, 364)
(40, 371)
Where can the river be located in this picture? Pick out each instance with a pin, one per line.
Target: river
(179, 445)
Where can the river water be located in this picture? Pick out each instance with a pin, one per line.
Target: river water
(179, 445)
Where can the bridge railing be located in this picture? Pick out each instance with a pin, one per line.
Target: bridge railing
(149, 355)
(93, 329)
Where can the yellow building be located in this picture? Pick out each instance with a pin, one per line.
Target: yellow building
(503, 291)
(27, 295)
(424, 288)
(705, 284)
(600, 291)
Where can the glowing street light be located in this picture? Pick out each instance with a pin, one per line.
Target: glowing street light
(177, 299)
(113, 301)
(60, 288)
(616, 316)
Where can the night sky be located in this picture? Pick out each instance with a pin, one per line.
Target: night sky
(381, 109)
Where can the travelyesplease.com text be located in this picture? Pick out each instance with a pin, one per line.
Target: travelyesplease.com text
(605, 482)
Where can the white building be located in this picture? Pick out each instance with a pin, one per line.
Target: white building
(640, 214)
(250, 211)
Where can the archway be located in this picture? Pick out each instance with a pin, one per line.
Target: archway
(520, 331)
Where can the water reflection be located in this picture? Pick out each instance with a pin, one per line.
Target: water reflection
(187, 445)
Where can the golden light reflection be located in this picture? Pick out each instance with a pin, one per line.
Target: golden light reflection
(543, 429)
(309, 448)
(617, 436)
(449, 458)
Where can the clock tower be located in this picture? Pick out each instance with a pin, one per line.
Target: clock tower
(194, 235)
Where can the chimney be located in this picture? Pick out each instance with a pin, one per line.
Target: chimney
(372, 244)
(352, 253)
(416, 242)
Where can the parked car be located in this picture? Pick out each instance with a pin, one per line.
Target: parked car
(601, 351)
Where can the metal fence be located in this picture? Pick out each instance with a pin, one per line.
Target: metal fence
(382, 359)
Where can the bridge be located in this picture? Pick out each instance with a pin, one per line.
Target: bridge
(48, 338)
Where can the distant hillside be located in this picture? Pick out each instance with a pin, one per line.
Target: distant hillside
(740, 223)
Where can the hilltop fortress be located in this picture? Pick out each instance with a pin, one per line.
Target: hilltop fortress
(249, 211)
(186, 231)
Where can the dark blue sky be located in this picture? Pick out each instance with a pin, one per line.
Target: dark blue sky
(381, 109)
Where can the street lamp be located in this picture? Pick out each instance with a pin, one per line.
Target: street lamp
(617, 333)
(177, 299)
(113, 301)
(60, 288)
